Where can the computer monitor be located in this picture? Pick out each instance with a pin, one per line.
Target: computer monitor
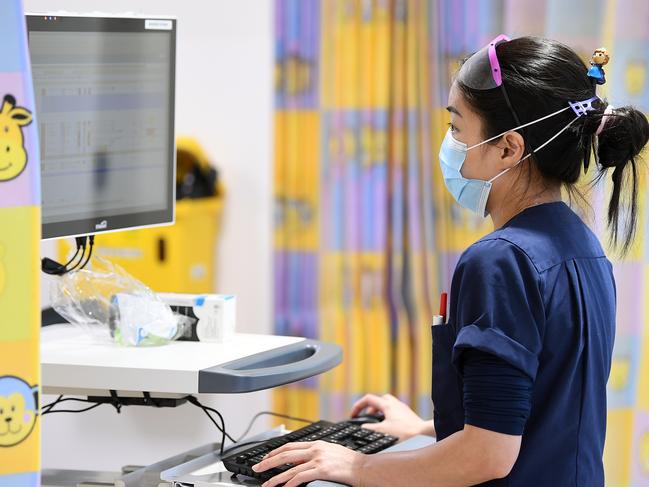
(105, 96)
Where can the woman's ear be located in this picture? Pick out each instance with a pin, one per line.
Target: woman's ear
(512, 148)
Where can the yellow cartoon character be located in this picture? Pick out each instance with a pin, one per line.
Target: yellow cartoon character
(17, 410)
(13, 156)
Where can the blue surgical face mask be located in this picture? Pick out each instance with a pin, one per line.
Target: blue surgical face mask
(473, 194)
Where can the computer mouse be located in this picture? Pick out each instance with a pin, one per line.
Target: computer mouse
(367, 418)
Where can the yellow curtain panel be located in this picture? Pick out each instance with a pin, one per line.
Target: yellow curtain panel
(20, 233)
(366, 235)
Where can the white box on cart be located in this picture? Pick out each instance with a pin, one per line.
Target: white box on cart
(213, 316)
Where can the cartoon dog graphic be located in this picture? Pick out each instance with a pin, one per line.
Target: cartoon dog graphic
(13, 156)
(18, 410)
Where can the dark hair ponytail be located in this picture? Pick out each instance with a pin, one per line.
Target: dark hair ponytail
(624, 135)
(541, 77)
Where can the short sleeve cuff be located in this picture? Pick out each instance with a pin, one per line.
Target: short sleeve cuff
(493, 341)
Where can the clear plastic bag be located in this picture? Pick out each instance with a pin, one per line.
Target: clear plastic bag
(106, 302)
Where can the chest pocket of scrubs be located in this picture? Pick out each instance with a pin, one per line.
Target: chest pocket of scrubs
(447, 384)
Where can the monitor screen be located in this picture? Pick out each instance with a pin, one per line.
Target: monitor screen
(104, 90)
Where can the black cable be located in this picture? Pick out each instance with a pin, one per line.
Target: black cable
(84, 262)
(96, 405)
(209, 409)
(66, 399)
(206, 410)
(92, 243)
(81, 243)
(52, 404)
(78, 264)
(270, 413)
(223, 433)
(73, 257)
(47, 409)
(193, 400)
(52, 267)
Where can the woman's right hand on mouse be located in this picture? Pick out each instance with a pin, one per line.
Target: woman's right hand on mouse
(400, 420)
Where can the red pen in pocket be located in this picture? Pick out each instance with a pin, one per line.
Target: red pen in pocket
(440, 319)
(442, 305)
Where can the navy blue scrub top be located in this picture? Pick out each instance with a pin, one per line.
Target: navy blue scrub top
(538, 293)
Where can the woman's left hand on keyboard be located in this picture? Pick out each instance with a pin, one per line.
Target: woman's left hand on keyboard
(317, 460)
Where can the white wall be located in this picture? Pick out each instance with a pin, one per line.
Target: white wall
(224, 98)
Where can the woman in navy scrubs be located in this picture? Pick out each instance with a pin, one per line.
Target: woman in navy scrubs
(520, 369)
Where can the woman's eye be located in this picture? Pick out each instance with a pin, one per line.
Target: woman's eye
(452, 127)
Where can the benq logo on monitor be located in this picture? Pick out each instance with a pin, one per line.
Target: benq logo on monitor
(102, 225)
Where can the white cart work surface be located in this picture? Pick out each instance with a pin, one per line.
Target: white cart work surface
(76, 363)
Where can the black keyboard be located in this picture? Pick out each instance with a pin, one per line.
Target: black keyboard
(348, 435)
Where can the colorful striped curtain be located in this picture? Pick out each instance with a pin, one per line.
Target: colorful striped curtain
(366, 235)
(20, 233)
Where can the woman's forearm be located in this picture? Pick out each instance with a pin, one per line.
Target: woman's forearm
(428, 428)
(468, 457)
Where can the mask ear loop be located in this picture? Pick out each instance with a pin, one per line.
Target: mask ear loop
(537, 149)
(580, 108)
(520, 127)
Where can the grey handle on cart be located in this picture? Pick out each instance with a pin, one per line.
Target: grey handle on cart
(270, 369)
